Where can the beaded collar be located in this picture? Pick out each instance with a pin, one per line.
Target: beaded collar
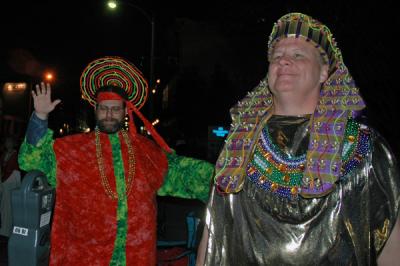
(274, 171)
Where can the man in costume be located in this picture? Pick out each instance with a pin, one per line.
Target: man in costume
(107, 180)
(300, 181)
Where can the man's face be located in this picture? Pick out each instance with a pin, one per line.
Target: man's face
(296, 69)
(110, 115)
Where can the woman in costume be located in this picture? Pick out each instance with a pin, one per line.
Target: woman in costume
(300, 181)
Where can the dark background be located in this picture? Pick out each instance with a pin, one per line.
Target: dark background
(208, 53)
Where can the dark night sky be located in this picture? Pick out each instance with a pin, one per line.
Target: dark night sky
(229, 35)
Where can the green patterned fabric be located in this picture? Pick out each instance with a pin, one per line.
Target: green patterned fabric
(119, 257)
(40, 157)
(187, 178)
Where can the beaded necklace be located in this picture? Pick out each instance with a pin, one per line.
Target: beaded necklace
(273, 170)
(131, 163)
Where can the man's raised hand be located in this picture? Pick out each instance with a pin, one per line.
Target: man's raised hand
(42, 100)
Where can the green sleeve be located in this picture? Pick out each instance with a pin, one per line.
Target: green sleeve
(187, 178)
(39, 157)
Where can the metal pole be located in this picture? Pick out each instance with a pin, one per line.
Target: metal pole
(151, 85)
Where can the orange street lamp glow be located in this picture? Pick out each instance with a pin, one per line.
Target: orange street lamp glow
(49, 76)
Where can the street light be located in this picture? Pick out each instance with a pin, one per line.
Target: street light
(150, 18)
(48, 76)
(112, 4)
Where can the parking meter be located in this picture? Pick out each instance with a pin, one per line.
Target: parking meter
(32, 205)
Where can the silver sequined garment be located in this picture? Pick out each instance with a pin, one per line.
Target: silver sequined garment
(347, 227)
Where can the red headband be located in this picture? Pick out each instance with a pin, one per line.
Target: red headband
(102, 96)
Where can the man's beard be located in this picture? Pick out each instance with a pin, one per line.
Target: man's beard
(109, 126)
